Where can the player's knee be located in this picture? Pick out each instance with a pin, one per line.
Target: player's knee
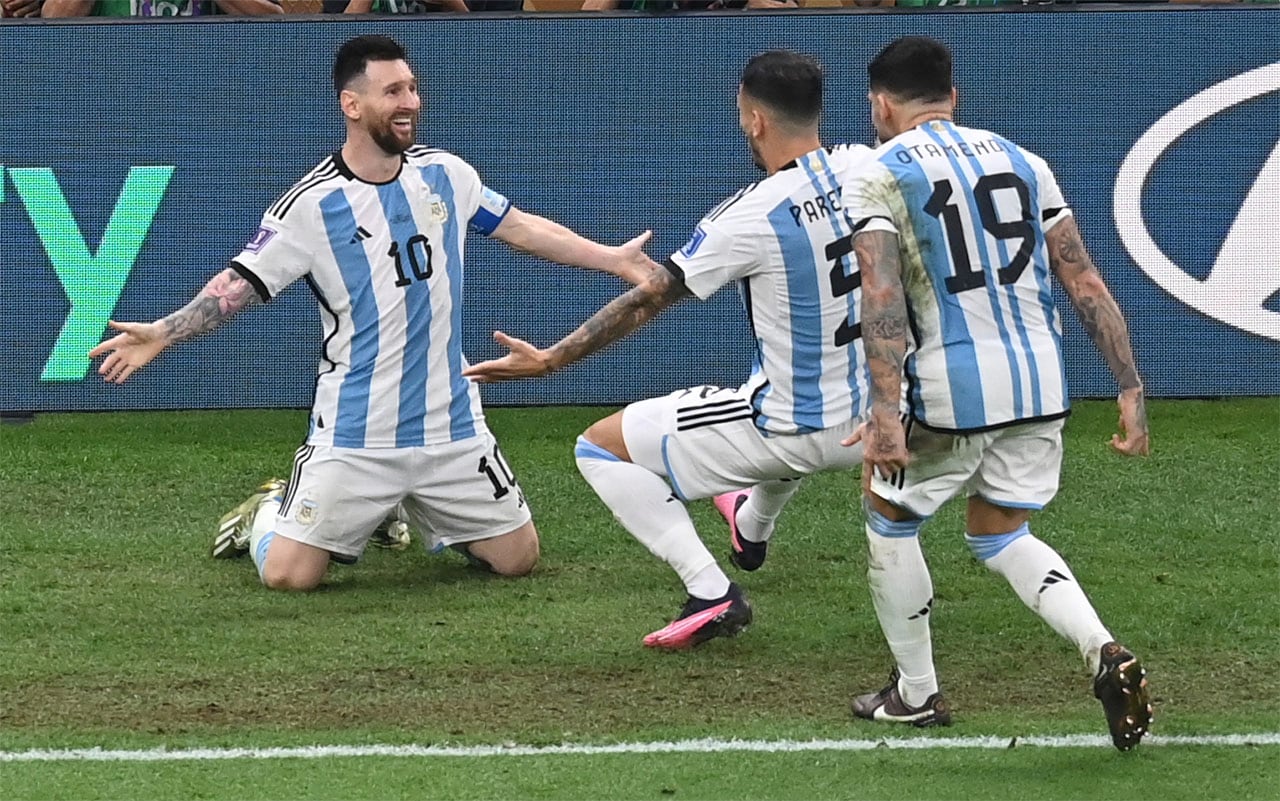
(289, 578)
(514, 554)
(516, 562)
(606, 434)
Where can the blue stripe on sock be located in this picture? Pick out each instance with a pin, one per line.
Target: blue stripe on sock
(890, 528)
(586, 449)
(988, 545)
(260, 553)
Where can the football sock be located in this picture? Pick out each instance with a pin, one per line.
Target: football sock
(1046, 585)
(260, 537)
(646, 507)
(760, 512)
(902, 593)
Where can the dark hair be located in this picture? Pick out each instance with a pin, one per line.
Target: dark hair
(790, 84)
(912, 68)
(355, 54)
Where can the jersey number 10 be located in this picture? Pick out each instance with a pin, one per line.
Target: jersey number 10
(418, 250)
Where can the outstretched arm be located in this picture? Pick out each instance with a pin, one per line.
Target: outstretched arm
(619, 318)
(884, 336)
(1105, 324)
(553, 242)
(138, 343)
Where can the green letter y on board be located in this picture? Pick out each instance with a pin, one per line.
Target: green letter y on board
(93, 282)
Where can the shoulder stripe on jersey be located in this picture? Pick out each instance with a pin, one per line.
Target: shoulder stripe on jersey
(327, 170)
(323, 167)
(723, 207)
(252, 278)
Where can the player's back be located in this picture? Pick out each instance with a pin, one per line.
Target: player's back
(788, 242)
(971, 210)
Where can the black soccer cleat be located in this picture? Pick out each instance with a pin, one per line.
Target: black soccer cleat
(887, 706)
(1121, 686)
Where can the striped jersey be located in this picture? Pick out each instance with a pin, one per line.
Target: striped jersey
(385, 264)
(971, 210)
(787, 242)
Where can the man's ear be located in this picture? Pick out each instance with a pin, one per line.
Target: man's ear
(349, 102)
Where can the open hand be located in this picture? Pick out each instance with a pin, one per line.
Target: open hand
(523, 361)
(634, 265)
(135, 346)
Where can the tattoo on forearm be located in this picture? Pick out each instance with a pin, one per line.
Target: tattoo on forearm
(224, 295)
(620, 317)
(884, 314)
(1093, 302)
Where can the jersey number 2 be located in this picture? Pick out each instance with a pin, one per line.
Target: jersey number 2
(842, 284)
(966, 277)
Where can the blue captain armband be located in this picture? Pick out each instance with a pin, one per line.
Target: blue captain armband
(493, 207)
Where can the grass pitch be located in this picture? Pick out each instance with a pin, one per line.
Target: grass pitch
(118, 630)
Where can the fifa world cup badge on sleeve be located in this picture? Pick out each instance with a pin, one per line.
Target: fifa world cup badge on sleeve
(260, 239)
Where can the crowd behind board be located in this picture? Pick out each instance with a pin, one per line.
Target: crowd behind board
(183, 8)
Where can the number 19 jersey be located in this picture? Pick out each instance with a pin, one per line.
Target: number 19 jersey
(385, 263)
(788, 243)
(971, 210)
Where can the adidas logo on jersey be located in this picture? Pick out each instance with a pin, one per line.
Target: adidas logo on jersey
(360, 235)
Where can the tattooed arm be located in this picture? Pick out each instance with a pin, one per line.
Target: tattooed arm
(138, 343)
(619, 318)
(884, 336)
(1105, 324)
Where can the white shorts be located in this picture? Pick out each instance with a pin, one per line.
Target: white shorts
(704, 440)
(452, 493)
(1017, 467)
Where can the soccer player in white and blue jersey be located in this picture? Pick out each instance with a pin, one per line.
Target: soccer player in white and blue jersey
(787, 244)
(959, 233)
(378, 232)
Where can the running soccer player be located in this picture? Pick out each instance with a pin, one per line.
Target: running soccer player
(788, 244)
(959, 231)
(377, 230)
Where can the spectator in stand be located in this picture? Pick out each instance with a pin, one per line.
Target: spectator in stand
(157, 8)
(404, 6)
(683, 5)
(20, 8)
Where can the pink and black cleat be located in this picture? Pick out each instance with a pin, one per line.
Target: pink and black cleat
(702, 619)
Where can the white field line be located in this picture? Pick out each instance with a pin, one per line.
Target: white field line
(705, 746)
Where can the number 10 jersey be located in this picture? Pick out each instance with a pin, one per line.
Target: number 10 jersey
(385, 264)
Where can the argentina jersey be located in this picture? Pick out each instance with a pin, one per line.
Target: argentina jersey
(385, 264)
(971, 210)
(788, 243)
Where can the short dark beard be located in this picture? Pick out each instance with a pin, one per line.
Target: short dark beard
(386, 139)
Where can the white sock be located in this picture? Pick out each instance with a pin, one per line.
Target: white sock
(645, 506)
(1046, 585)
(263, 531)
(902, 593)
(760, 512)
